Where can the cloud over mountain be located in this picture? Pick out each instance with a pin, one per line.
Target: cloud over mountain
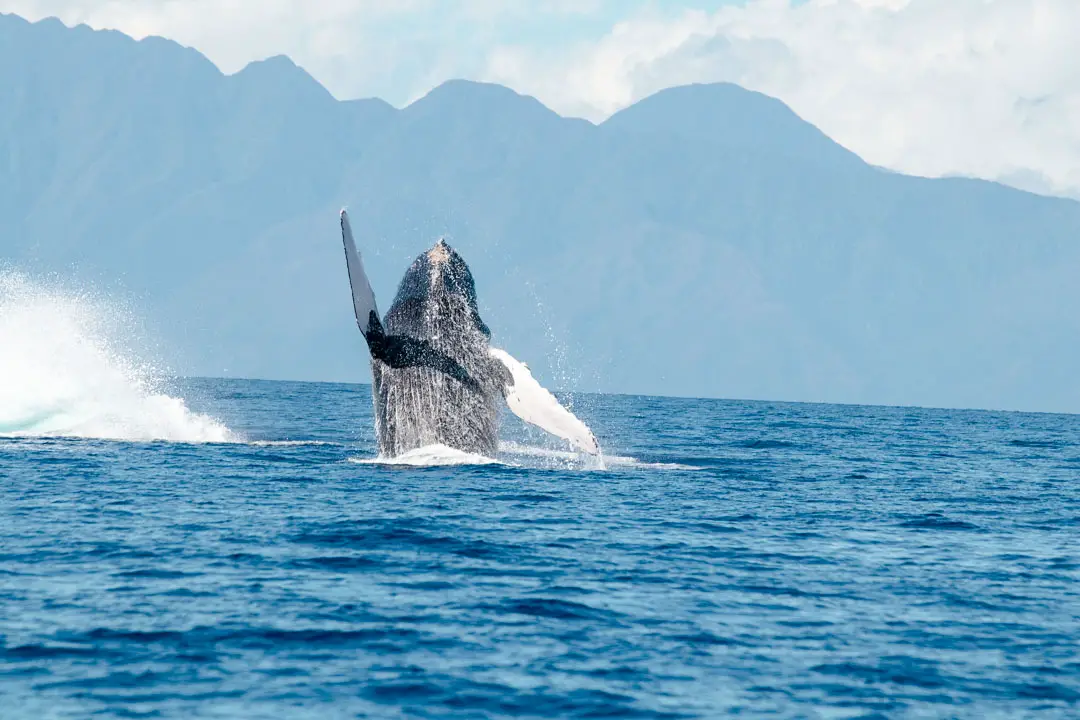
(980, 88)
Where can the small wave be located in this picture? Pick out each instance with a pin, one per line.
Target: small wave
(67, 370)
(290, 443)
(766, 444)
(1026, 443)
(553, 608)
(937, 521)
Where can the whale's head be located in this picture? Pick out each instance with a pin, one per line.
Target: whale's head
(439, 287)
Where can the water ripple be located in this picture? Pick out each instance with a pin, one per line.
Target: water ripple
(735, 558)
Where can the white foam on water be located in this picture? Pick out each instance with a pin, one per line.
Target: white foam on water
(510, 455)
(513, 454)
(430, 456)
(549, 459)
(564, 459)
(66, 370)
(634, 463)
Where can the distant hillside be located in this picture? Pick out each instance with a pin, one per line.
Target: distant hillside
(705, 241)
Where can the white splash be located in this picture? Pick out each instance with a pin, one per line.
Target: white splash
(65, 372)
(517, 455)
(568, 460)
(550, 459)
(430, 456)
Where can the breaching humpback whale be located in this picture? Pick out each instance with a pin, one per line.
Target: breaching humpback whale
(435, 378)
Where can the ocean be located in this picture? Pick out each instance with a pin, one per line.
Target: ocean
(728, 558)
(235, 549)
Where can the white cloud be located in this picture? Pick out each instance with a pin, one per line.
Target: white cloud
(987, 88)
(341, 42)
(394, 49)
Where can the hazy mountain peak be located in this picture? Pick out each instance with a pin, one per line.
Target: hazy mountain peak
(727, 114)
(460, 88)
(11, 20)
(274, 64)
(280, 76)
(470, 97)
(52, 35)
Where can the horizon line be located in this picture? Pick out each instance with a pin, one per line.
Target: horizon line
(886, 406)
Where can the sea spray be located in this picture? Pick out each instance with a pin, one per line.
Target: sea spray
(562, 376)
(68, 368)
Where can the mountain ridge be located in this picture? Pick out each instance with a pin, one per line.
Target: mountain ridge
(705, 241)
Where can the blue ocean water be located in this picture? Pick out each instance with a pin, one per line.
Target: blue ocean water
(734, 558)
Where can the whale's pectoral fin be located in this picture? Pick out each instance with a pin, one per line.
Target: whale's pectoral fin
(367, 313)
(404, 351)
(527, 399)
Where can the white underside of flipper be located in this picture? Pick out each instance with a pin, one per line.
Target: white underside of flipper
(362, 294)
(527, 399)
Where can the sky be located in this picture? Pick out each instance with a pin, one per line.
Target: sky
(981, 88)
